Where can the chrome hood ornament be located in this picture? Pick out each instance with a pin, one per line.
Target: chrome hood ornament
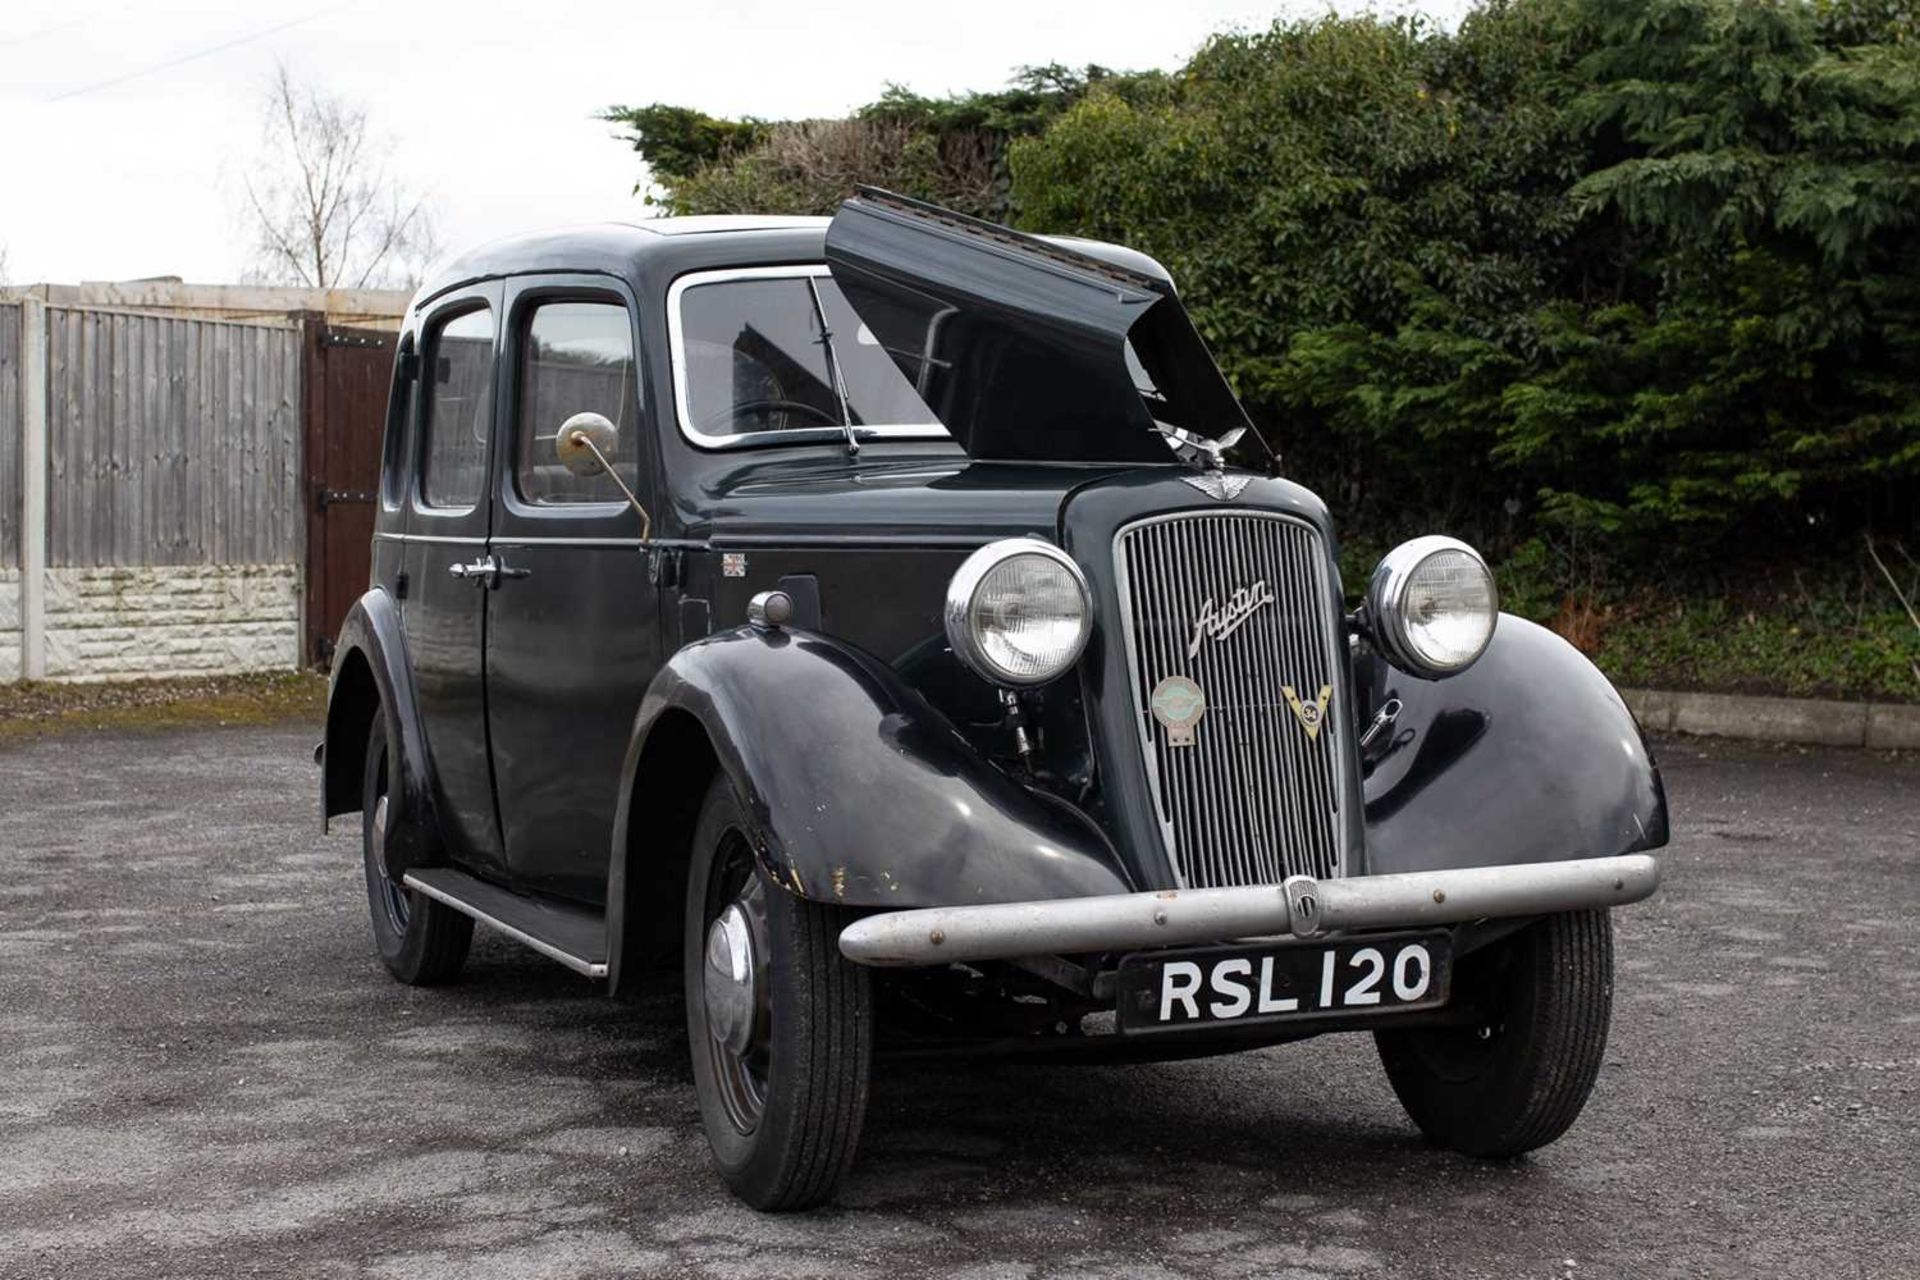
(1203, 451)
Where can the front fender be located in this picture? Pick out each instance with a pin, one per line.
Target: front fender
(1530, 755)
(371, 676)
(859, 790)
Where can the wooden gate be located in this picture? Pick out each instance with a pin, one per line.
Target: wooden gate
(345, 375)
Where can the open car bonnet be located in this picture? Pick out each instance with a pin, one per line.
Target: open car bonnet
(1026, 349)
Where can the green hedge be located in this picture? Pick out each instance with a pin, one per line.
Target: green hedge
(1626, 291)
(1642, 272)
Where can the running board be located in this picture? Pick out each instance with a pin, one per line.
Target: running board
(575, 936)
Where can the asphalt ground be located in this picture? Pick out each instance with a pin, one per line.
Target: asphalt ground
(204, 1072)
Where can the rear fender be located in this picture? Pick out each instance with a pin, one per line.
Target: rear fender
(858, 790)
(1530, 755)
(371, 676)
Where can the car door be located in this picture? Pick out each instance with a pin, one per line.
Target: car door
(443, 603)
(573, 630)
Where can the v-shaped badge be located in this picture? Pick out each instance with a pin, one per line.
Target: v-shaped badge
(1311, 715)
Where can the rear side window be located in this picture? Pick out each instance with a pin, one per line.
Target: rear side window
(577, 358)
(454, 410)
(393, 444)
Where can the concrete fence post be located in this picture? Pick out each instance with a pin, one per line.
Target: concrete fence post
(33, 489)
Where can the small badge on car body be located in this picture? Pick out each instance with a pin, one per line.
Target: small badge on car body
(1178, 704)
(1310, 714)
(733, 564)
(1217, 485)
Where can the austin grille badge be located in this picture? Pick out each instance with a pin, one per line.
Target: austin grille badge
(1217, 622)
(1311, 715)
(1217, 485)
(1178, 704)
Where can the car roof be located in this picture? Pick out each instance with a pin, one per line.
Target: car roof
(720, 223)
(620, 248)
(684, 243)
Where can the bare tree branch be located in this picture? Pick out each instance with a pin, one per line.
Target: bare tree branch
(1893, 582)
(398, 228)
(324, 208)
(278, 244)
(1900, 595)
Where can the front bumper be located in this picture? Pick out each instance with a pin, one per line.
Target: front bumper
(1301, 906)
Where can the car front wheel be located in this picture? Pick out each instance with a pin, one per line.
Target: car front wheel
(779, 1022)
(1517, 1075)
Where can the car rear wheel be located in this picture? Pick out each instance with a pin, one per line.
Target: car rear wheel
(779, 1022)
(422, 942)
(1517, 1077)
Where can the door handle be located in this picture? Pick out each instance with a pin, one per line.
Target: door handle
(480, 569)
(486, 571)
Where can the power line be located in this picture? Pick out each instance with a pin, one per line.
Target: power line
(189, 57)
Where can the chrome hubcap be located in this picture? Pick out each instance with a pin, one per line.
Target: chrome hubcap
(729, 982)
(735, 991)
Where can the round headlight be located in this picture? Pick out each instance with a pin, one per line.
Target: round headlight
(1017, 612)
(1432, 606)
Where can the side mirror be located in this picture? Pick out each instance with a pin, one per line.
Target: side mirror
(587, 443)
(586, 446)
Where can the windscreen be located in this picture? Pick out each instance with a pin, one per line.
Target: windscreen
(756, 361)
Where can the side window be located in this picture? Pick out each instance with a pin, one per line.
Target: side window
(394, 471)
(577, 358)
(458, 396)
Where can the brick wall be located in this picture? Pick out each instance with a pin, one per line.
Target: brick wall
(123, 623)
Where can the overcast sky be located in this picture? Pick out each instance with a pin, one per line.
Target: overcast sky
(125, 127)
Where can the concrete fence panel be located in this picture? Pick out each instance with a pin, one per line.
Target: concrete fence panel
(150, 513)
(12, 497)
(9, 437)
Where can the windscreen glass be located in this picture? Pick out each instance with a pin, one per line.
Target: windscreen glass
(757, 359)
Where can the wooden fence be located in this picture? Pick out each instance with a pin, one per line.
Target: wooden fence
(168, 441)
(171, 441)
(154, 477)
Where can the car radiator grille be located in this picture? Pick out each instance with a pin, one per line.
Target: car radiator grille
(1254, 798)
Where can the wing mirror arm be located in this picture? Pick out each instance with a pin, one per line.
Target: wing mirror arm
(646, 521)
(583, 443)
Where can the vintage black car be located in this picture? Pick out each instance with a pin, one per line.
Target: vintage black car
(863, 617)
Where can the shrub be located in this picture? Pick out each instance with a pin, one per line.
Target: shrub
(1626, 291)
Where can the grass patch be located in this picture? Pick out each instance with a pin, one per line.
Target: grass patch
(35, 709)
(1831, 628)
(1806, 651)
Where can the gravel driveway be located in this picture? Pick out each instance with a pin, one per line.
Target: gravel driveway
(205, 1072)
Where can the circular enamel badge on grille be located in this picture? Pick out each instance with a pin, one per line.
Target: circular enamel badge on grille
(1178, 704)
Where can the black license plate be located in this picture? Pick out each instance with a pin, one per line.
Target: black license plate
(1164, 990)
